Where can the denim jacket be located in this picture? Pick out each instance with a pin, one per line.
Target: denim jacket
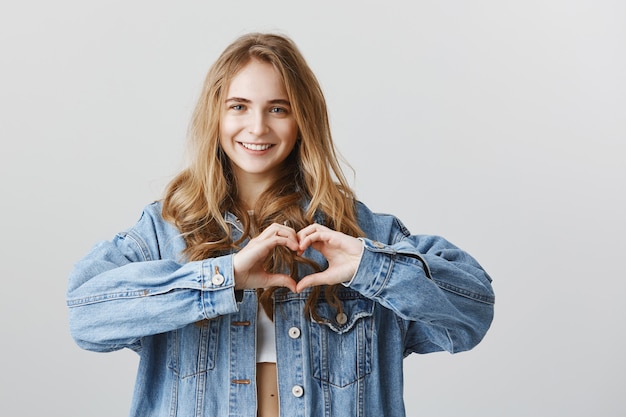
(196, 335)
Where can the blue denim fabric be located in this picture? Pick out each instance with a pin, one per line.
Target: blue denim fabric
(410, 294)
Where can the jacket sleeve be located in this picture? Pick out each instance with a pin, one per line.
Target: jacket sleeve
(121, 291)
(443, 295)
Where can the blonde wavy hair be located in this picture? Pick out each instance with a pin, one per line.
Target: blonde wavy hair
(312, 181)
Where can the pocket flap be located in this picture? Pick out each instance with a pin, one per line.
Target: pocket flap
(355, 307)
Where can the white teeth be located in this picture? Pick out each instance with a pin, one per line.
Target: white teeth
(255, 147)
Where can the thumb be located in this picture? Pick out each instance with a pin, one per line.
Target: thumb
(281, 280)
(316, 279)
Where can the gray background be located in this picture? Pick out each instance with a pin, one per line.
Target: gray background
(497, 124)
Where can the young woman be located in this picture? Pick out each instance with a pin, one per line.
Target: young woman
(259, 285)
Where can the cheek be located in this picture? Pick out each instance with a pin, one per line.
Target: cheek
(224, 129)
(290, 132)
(229, 126)
(222, 136)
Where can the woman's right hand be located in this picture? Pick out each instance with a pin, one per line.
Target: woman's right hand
(248, 262)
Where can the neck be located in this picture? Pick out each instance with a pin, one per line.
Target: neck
(250, 188)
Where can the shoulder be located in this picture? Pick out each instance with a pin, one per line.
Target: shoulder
(154, 212)
(151, 219)
(156, 237)
(380, 226)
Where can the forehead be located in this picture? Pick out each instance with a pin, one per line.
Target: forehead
(257, 79)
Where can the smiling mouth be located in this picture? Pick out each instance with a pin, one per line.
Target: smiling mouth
(256, 147)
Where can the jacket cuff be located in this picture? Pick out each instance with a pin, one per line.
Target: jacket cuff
(218, 286)
(374, 268)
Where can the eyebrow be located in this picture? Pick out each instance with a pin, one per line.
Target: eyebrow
(245, 100)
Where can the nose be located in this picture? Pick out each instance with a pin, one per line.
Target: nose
(258, 124)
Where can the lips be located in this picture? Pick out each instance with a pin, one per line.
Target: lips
(256, 146)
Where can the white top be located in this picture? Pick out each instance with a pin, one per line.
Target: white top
(265, 338)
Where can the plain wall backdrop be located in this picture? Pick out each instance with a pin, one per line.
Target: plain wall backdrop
(497, 124)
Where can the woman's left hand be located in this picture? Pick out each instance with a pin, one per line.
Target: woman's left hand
(342, 252)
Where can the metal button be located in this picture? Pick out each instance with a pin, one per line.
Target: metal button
(378, 244)
(218, 279)
(294, 332)
(297, 391)
(341, 318)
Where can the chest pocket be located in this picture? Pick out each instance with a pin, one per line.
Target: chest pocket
(341, 345)
(192, 349)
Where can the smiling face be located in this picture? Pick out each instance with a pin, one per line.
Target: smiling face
(257, 127)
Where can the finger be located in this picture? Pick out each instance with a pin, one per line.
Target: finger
(310, 229)
(312, 234)
(281, 235)
(281, 280)
(313, 280)
(289, 243)
(279, 228)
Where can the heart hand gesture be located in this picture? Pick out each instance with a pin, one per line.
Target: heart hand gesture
(343, 253)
